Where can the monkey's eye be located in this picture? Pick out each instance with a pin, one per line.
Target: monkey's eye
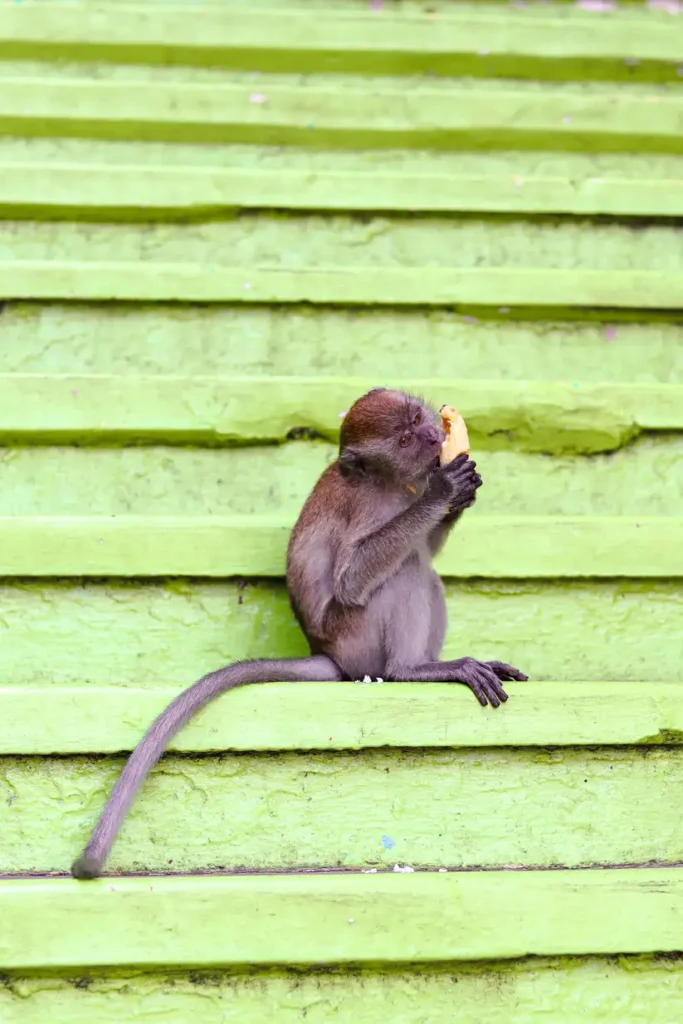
(416, 419)
(405, 439)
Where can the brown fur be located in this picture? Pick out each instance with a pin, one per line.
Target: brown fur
(360, 580)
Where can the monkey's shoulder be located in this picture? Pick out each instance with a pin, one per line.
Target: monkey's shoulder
(329, 503)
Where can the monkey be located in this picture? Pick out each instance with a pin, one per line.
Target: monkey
(360, 581)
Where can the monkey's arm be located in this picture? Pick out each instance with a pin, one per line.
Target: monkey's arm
(439, 535)
(363, 564)
(367, 561)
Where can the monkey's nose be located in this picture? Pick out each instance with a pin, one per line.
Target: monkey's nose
(435, 435)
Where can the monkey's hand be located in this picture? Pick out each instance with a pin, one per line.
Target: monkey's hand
(455, 484)
(485, 678)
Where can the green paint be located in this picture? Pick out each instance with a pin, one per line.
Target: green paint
(645, 478)
(256, 258)
(278, 244)
(321, 111)
(191, 282)
(231, 341)
(534, 415)
(465, 39)
(314, 716)
(116, 231)
(154, 634)
(160, 193)
(289, 811)
(627, 990)
(490, 546)
(342, 919)
(491, 165)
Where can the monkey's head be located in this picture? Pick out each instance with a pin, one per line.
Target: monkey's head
(390, 434)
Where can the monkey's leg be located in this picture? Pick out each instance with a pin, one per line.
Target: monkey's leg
(482, 677)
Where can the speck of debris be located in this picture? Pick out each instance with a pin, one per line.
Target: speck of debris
(258, 97)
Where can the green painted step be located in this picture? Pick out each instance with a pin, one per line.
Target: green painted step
(343, 716)
(534, 415)
(157, 634)
(565, 991)
(337, 918)
(283, 258)
(160, 193)
(464, 39)
(323, 111)
(296, 811)
(643, 478)
(91, 179)
(358, 285)
(347, 261)
(284, 245)
(491, 546)
(322, 342)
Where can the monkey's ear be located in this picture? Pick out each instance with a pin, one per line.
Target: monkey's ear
(351, 463)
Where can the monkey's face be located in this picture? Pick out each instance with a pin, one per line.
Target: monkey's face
(393, 434)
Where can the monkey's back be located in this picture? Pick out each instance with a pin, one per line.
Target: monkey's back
(310, 553)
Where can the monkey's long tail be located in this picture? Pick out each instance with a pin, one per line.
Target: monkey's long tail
(150, 748)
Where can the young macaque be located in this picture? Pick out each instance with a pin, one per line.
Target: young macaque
(360, 580)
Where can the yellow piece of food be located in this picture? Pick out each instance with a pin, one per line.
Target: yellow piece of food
(457, 440)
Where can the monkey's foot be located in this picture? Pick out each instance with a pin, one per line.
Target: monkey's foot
(86, 867)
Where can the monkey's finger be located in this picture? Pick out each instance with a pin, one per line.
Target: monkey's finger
(493, 699)
(457, 463)
(489, 685)
(477, 690)
(497, 687)
(459, 468)
(492, 686)
(505, 671)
